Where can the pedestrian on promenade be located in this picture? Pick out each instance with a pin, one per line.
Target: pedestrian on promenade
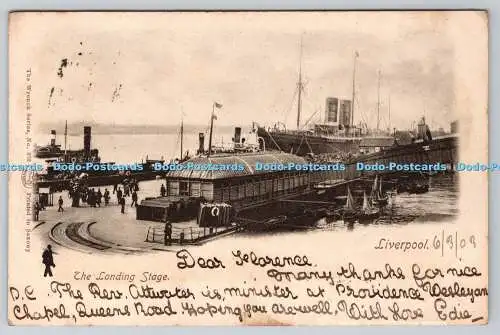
(36, 211)
(163, 191)
(61, 202)
(48, 260)
(106, 197)
(98, 197)
(134, 199)
(119, 194)
(168, 234)
(122, 203)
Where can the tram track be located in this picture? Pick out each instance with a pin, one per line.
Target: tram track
(75, 235)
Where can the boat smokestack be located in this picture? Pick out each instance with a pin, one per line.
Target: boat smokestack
(87, 136)
(201, 143)
(53, 137)
(237, 135)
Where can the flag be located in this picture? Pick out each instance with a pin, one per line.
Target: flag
(217, 105)
(214, 117)
(356, 54)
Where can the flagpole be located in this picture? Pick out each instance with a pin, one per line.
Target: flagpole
(211, 129)
(65, 140)
(182, 137)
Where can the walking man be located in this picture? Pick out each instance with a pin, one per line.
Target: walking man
(122, 203)
(119, 195)
(61, 202)
(163, 190)
(106, 197)
(134, 199)
(36, 211)
(48, 261)
(98, 197)
(168, 233)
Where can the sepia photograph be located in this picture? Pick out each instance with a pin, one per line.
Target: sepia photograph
(262, 168)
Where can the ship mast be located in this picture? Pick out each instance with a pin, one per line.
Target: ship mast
(356, 55)
(300, 87)
(65, 137)
(182, 135)
(389, 107)
(378, 102)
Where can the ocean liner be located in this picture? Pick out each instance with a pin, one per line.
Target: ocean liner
(337, 134)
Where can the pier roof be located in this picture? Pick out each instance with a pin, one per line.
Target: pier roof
(247, 160)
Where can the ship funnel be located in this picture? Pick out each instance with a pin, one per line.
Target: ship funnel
(237, 135)
(201, 143)
(53, 137)
(87, 136)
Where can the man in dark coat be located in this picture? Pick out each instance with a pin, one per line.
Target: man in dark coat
(48, 261)
(163, 191)
(119, 195)
(98, 198)
(122, 203)
(106, 196)
(36, 211)
(168, 234)
(61, 201)
(134, 199)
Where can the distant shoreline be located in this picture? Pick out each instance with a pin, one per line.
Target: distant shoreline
(76, 129)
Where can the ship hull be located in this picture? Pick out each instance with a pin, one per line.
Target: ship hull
(303, 144)
(47, 154)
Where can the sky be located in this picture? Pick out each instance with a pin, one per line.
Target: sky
(153, 68)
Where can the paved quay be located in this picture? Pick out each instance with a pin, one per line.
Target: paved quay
(102, 229)
(106, 230)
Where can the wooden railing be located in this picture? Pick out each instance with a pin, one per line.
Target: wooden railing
(189, 235)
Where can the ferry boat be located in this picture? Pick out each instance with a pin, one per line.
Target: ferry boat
(62, 180)
(52, 150)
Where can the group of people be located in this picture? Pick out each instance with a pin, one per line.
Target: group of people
(79, 190)
(330, 157)
(121, 195)
(94, 199)
(89, 196)
(129, 186)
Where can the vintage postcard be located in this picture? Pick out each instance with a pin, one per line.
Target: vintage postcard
(248, 168)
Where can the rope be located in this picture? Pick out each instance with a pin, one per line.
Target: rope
(300, 144)
(307, 142)
(276, 144)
